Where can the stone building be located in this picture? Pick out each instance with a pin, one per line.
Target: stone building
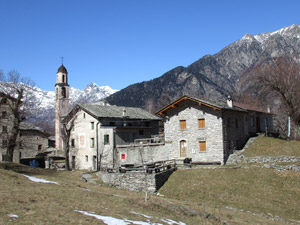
(6, 123)
(99, 129)
(208, 132)
(30, 142)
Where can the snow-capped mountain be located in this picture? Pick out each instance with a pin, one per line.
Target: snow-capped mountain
(44, 113)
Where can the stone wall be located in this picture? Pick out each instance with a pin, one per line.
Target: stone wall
(140, 154)
(136, 181)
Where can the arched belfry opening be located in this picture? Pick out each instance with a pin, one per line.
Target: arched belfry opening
(63, 92)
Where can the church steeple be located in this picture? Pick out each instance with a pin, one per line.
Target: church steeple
(62, 103)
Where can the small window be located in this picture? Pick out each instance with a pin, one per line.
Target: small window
(73, 143)
(4, 129)
(4, 115)
(182, 124)
(39, 147)
(228, 122)
(92, 125)
(111, 123)
(141, 132)
(201, 123)
(86, 158)
(202, 146)
(106, 139)
(83, 115)
(92, 142)
(147, 124)
(252, 121)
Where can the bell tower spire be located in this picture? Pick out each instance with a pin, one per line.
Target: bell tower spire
(61, 104)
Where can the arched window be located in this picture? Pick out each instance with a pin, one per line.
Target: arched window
(63, 78)
(63, 92)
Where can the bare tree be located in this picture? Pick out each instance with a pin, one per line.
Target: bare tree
(282, 77)
(66, 135)
(14, 89)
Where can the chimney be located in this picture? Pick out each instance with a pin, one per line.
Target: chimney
(229, 101)
(268, 109)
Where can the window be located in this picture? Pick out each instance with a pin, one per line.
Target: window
(182, 124)
(39, 147)
(202, 146)
(83, 115)
(4, 129)
(92, 142)
(141, 132)
(106, 139)
(228, 122)
(73, 143)
(252, 121)
(201, 123)
(147, 124)
(92, 125)
(111, 123)
(86, 158)
(4, 115)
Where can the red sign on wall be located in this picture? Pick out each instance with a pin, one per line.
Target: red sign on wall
(123, 156)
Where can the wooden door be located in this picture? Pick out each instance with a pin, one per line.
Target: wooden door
(183, 149)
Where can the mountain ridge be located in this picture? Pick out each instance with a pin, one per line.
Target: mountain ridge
(212, 76)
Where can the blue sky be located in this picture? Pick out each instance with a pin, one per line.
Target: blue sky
(121, 42)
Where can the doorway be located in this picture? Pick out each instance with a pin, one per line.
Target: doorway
(183, 149)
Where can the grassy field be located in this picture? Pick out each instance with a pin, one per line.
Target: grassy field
(267, 146)
(196, 196)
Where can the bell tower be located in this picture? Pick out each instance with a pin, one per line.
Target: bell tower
(61, 104)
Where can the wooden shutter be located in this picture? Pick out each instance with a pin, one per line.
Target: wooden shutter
(201, 123)
(202, 146)
(182, 124)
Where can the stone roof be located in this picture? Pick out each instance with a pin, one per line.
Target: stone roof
(62, 69)
(113, 111)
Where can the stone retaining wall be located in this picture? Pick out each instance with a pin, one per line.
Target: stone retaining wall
(136, 181)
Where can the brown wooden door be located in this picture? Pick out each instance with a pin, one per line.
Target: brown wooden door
(183, 149)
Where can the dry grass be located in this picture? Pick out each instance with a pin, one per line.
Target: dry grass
(39, 203)
(267, 146)
(197, 196)
(255, 189)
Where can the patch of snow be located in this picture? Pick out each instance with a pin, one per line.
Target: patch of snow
(172, 222)
(39, 180)
(114, 221)
(13, 216)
